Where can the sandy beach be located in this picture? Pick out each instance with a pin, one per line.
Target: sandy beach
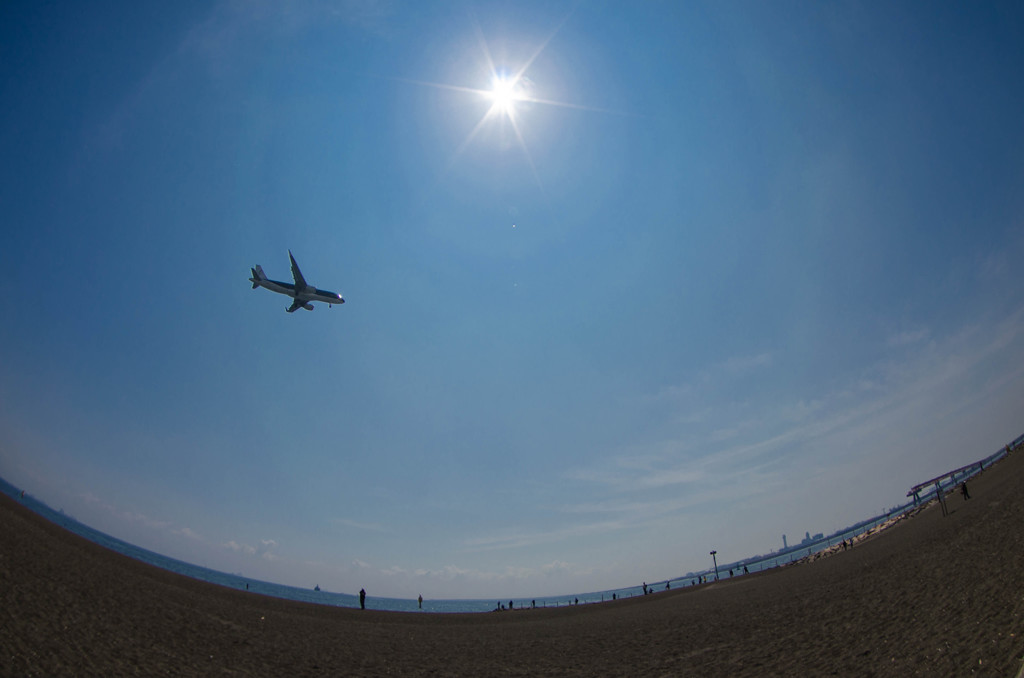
(931, 596)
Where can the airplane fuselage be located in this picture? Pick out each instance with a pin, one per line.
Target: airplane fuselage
(301, 292)
(308, 294)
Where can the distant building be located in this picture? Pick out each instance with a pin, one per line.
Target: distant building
(808, 539)
(784, 544)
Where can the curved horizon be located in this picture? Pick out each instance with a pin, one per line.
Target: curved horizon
(813, 546)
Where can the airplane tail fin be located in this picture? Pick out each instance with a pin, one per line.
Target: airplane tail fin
(257, 276)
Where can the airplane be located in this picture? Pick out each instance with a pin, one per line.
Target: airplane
(301, 292)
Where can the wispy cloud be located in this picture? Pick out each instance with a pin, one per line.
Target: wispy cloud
(625, 476)
(731, 368)
(518, 539)
(188, 533)
(370, 527)
(511, 573)
(223, 43)
(125, 515)
(747, 456)
(632, 508)
(265, 549)
(907, 337)
(220, 39)
(744, 364)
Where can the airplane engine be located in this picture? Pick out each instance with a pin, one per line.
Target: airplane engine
(308, 307)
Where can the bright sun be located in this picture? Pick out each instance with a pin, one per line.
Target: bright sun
(504, 93)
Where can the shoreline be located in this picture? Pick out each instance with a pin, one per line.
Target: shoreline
(931, 595)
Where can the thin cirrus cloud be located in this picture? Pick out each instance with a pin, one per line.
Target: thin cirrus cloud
(454, 573)
(517, 539)
(128, 515)
(908, 337)
(219, 45)
(264, 549)
(788, 433)
(355, 524)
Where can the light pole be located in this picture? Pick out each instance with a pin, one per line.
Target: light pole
(715, 560)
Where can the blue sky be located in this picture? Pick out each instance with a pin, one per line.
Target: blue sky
(725, 271)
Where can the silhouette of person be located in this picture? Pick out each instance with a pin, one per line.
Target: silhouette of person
(362, 599)
(421, 602)
(963, 490)
(510, 606)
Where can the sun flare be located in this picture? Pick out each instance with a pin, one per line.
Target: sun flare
(511, 98)
(504, 93)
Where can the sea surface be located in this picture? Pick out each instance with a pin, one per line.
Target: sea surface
(308, 595)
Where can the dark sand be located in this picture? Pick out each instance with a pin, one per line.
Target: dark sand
(931, 596)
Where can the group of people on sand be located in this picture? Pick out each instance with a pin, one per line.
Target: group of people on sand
(512, 605)
(650, 589)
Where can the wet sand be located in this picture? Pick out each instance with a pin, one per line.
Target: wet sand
(931, 596)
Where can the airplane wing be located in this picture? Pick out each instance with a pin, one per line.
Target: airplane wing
(300, 282)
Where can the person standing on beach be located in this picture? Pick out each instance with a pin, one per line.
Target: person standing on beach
(421, 602)
(963, 490)
(362, 599)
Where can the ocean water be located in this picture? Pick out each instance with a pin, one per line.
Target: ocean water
(753, 564)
